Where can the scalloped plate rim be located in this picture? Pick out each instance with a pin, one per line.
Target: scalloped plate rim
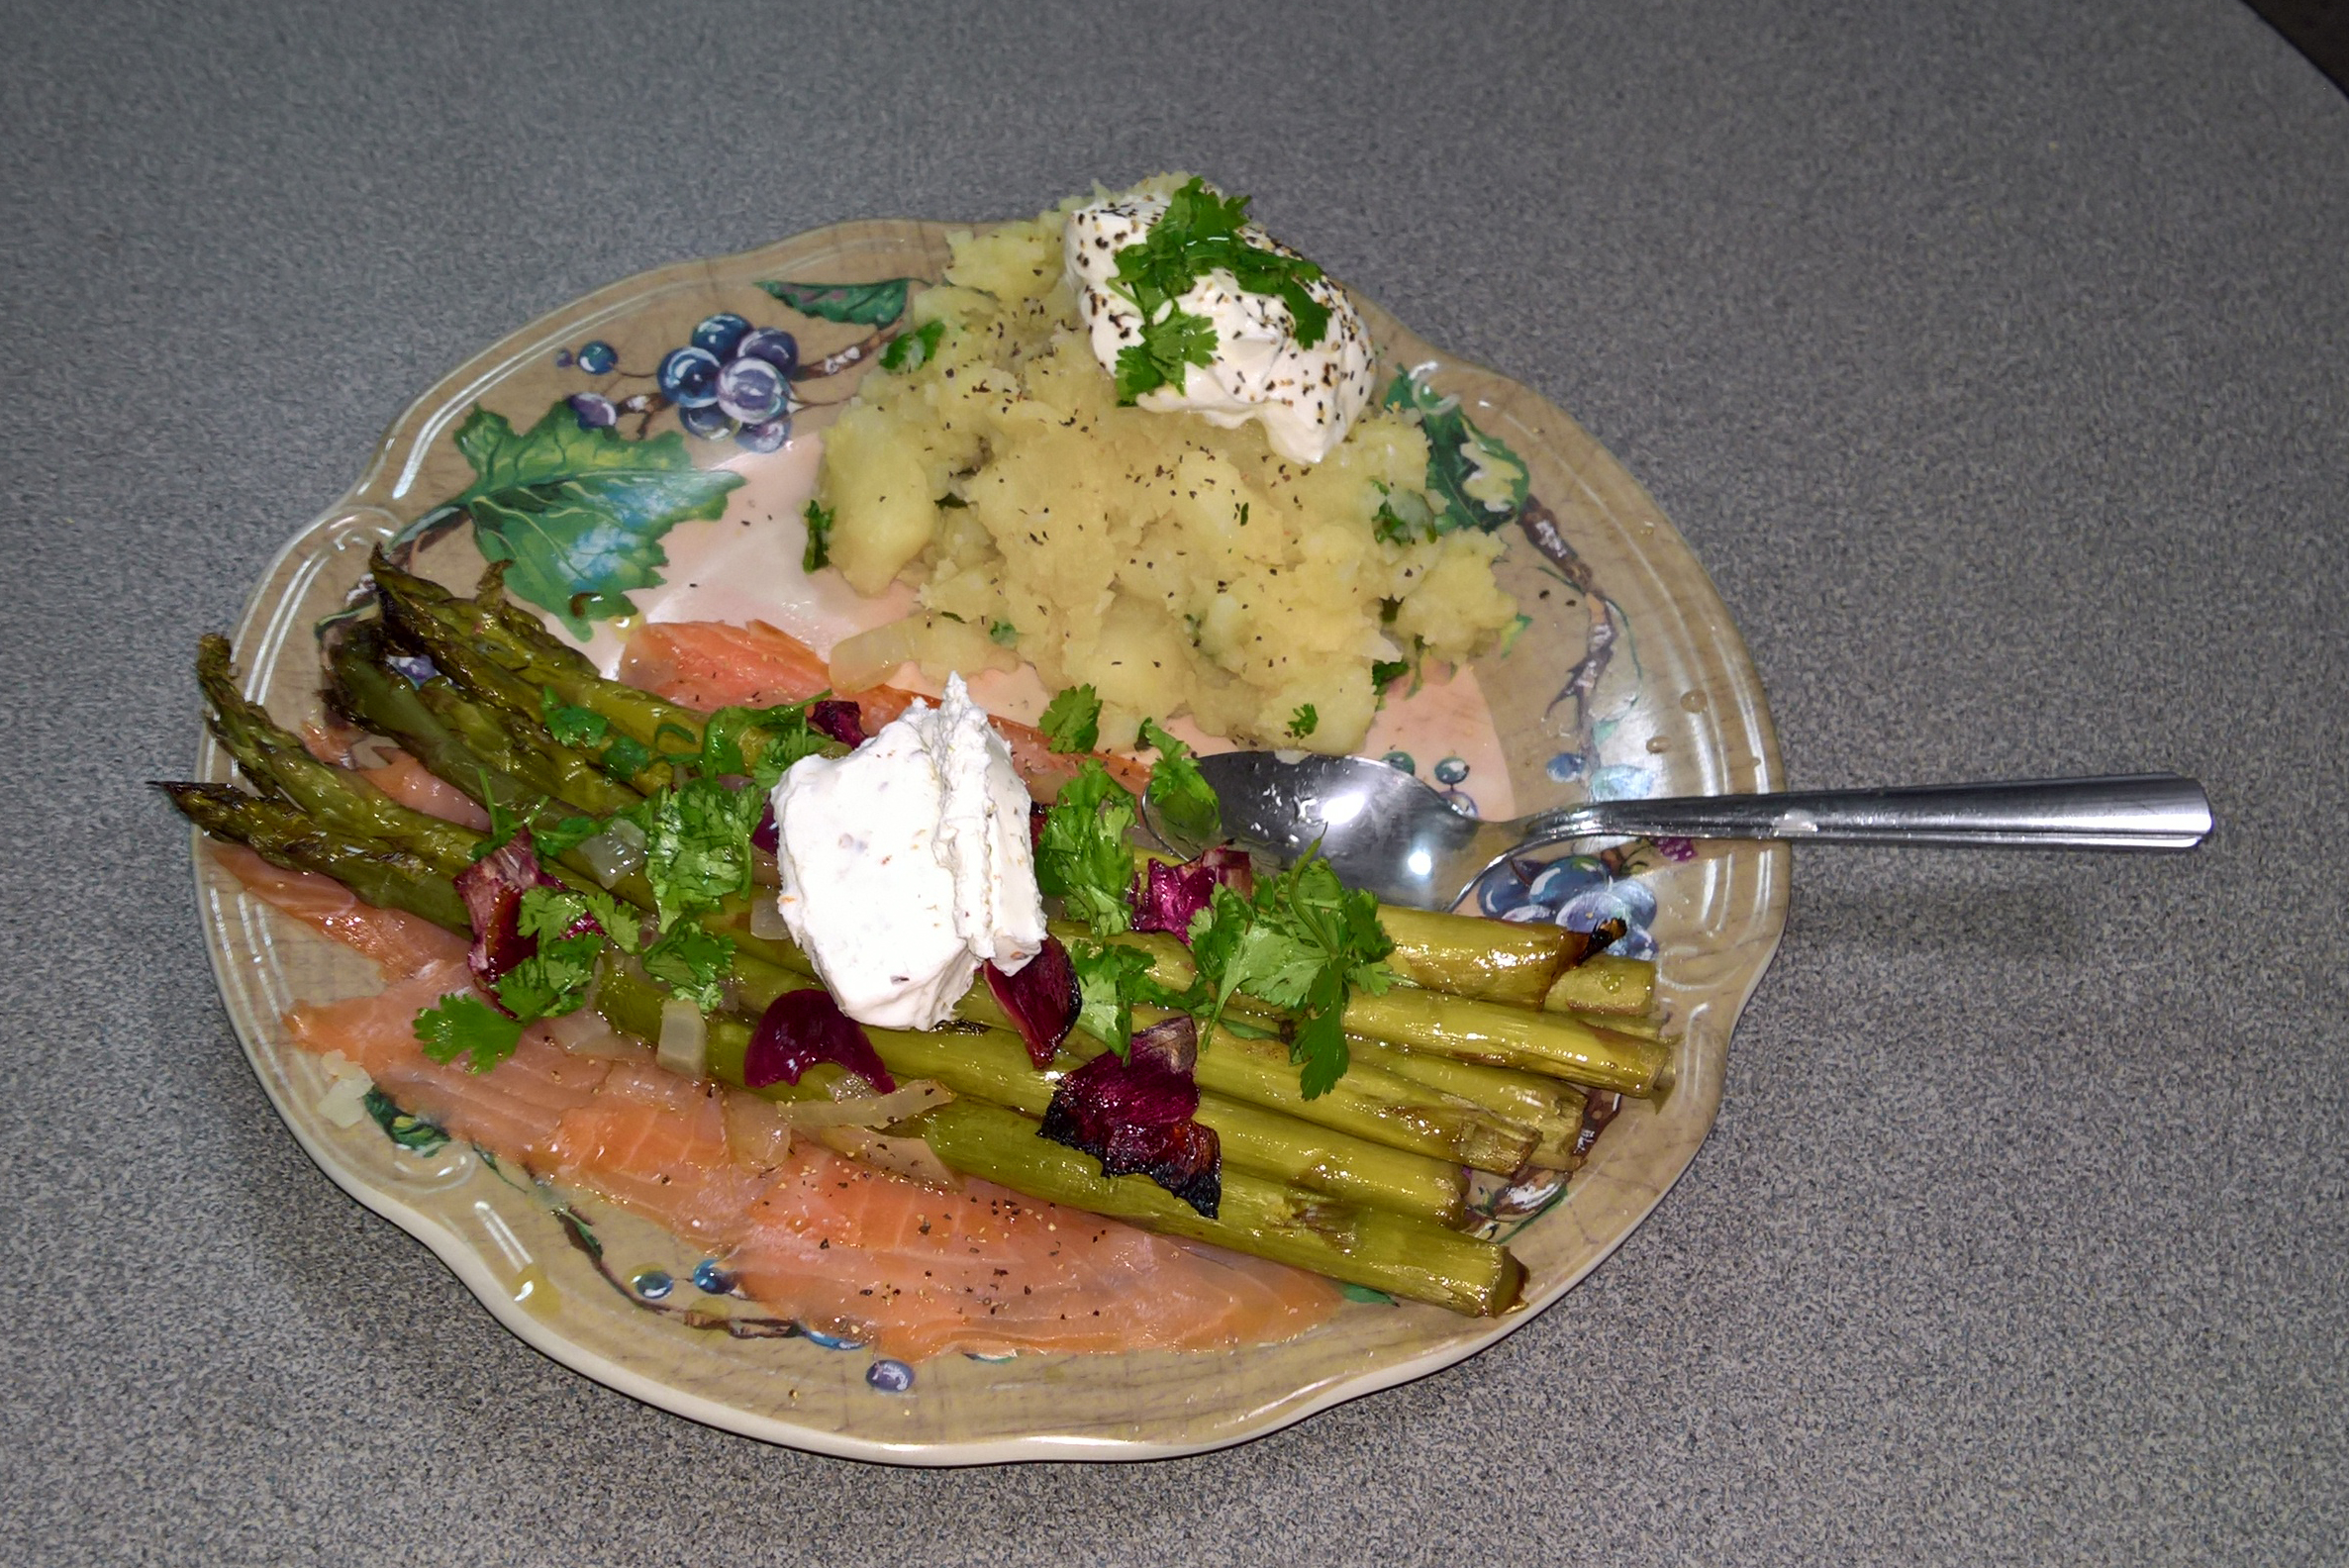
(466, 1261)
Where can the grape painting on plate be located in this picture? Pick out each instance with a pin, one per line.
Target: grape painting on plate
(729, 381)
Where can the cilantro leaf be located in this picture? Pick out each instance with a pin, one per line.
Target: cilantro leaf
(1386, 670)
(580, 513)
(563, 836)
(818, 554)
(1199, 234)
(1003, 634)
(914, 350)
(1109, 979)
(1169, 347)
(1304, 720)
(570, 725)
(624, 758)
(1081, 857)
(693, 963)
(758, 743)
(1072, 720)
(1178, 793)
(462, 1025)
(698, 846)
(503, 823)
(1303, 942)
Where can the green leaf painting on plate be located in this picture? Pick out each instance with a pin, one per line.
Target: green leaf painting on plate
(580, 513)
(413, 1133)
(1480, 482)
(853, 304)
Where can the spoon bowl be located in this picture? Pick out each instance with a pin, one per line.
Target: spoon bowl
(1382, 830)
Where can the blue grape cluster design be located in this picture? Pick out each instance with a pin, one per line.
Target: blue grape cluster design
(730, 380)
(1579, 892)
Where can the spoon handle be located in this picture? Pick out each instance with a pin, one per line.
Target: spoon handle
(2141, 811)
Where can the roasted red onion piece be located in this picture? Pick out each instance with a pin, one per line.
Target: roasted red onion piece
(492, 888)
(839, 719)
(768, 835)
(1136, 1115)
(1166, 898)
(1041, 1000)
(800, 1028)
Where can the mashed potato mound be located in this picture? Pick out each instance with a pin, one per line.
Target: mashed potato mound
(1174, 566)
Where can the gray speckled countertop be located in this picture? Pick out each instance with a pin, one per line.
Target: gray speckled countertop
(1994, 358)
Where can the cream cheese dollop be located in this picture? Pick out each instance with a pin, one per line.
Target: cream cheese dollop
(906, 864)
(1306, 399)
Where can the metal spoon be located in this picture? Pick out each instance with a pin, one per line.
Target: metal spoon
(1382, 830)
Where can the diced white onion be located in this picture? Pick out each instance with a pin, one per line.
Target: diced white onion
(684, 1038)
(345, 1101)
(901, 1156)
(766, 917)
(867, 1111)
(586, 1033)
(611, 857)
(865, 660)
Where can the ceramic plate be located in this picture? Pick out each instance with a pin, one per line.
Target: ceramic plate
(1625, 678)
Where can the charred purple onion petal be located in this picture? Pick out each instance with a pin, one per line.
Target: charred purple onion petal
(800, 1028)
(1041, 1000)
(766, 835)
(839, 719)
(1135, 1115)
(1166, 898)
(492, 888)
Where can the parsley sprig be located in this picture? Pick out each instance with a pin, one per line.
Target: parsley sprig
(1080, 857)
(1198, 233)
(1304, 942)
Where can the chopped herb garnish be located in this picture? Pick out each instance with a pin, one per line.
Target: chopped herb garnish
(1198, 233)
(1110, 980)
(624, 758)
(1384, 670)
(1072, 720)
(693, 963)
(462, 1025)
(503, 823)
(914, 350)
(1178, 793)
(1303, 942)
(1304, 722)
(1003, 634)
(566, 836)
(818, 554)
(1080, 857)
(572, 727)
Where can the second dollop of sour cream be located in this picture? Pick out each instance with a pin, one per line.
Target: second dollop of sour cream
(907, 865)
(1306, 398)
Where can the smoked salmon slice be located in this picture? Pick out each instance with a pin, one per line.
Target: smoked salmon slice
(850, 1250)
(398, 775)
(400, 944)
(711, 664)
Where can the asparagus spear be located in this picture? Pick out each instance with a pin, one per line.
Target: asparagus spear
(1440, 1023)
(1392, 1252)
(1367, 1103)
(387, 877)
(501, 667)
(274, 759)
(1402, 1254)
(1604, 985)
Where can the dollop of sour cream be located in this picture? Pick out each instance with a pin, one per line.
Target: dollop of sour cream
(906, 864)
(1306, 398)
